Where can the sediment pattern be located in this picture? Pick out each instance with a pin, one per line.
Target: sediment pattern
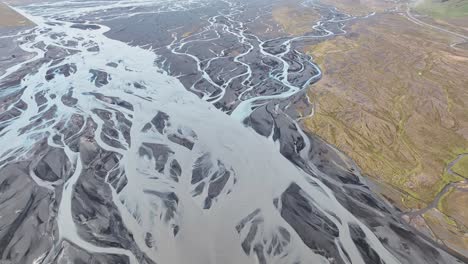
(178, 147)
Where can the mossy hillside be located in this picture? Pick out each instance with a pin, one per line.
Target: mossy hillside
(401, 121)
(443, 9)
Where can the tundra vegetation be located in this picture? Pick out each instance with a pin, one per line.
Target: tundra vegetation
(10, 18)
(393, 97)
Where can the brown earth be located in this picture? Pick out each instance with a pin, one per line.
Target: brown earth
(294, 18)
(10, 18)
(360, 7)
(394, 98)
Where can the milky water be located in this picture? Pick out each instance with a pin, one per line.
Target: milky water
(258, 173)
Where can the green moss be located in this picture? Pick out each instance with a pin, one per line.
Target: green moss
(294, 20)
(430, 219)
(461, 167)
(412, 202)
(442, 206)
(450, 221)
(413, 154)
(444, 9)
(428, 194)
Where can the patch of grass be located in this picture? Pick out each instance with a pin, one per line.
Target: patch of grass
(461, 167)
(443, 9)
(295, 19)
(442, 206)
(358, 8)
(392, 98)
(453, 204)
(450, 232)
(10, 18)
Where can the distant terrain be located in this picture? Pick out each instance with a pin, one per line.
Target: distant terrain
(11, 23)
(10, 18)
(443, 9)
(234, 131)
(394, 98)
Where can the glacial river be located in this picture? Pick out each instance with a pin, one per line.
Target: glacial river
(169, 132)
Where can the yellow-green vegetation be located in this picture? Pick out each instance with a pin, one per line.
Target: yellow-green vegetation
(359, 7)
(461, 167)
(10, 18)
(449, 14)
(447, 230)
(443, 9)
(295, 19)
(393, 97)
(397, 109)
(453, 204)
